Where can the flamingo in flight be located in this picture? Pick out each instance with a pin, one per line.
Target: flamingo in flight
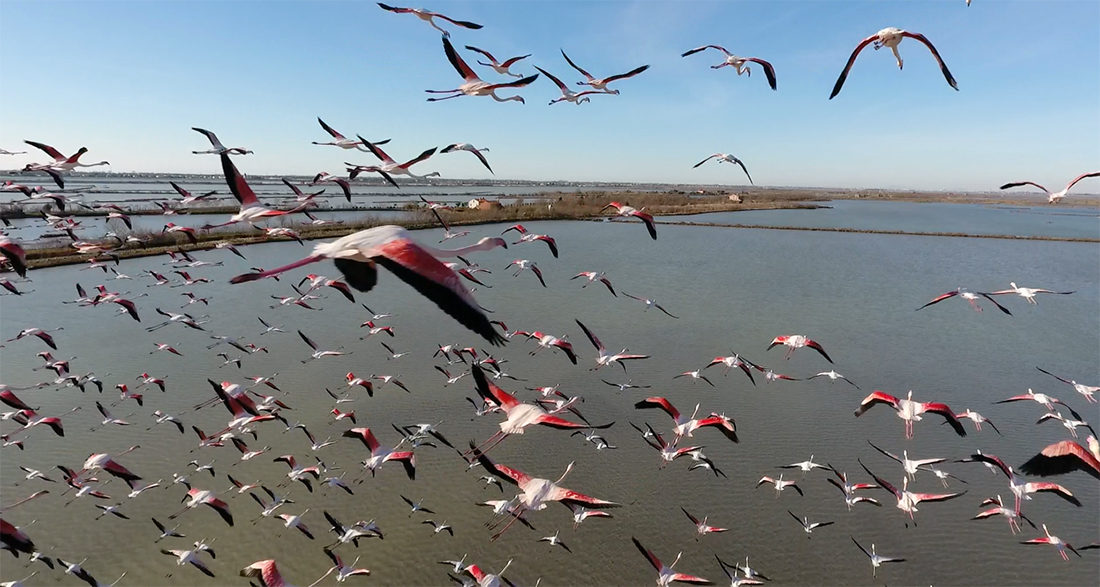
(685, 425)
(519, 415)
(268, 573)
(1064, 457)
(910, 410)
(568, 95)
(187, 197)
(536, 492)
(380, 454)
(701, 526)
(325, 177)
(591, 276)
(604, 356)
(890, 37)
(969, 296)
(60, 162)
(1001, 510)
(357, 254)
(473, 85)
(628, 211)
(665, 575)
(499, 67)
(339, 140)
(738, 63)
(877, 559)
(1028, 293)
(1085, 390)
(217, 147)
(196, 497)
(728, 159)
(1054, 541)
(429, 17)
(1019, 486)
(1053, 197)
(391, 167)
(794, 342)
(468, 147)
(601, 84)
(908, 500)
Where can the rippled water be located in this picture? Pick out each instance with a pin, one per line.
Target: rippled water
(733, 290)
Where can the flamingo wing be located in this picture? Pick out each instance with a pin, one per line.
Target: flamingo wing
(648, 554)
(1080, 177)
(421, 157)
(417, 267)
(769, 71)
(491, 392)
(514, 84)
(1062, 457)
(461, 23)
(574, 66)
(882, 482)
(986, 458)
(631, 73)
(1055, 488)
(705, 160)
(52, 152)
(506, 473)
(698, 49)
(483, 52)
(373, 148)
(1020, 183)
(948, 414)
(330, 130)
(649, 226)
(591, 337)
(557, 422)
(365, 435)
(876, 397)
(237, 183)
(459, 65)
(213, 138)
(943, 66)
(659, 402)
(554, 79)
(513, 60)
(686, 578)
(848, 66)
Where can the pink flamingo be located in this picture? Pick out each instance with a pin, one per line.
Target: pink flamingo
(1065, 456)
(380, 454)
(341, 141)
(498, 66)
(627, 211)
(473, 85)
(601, 84)
(196, 497)
(794, 342)
(890, 37)
(217, 147)
(1053, 197)
(910, 410)
(357, 254)
(665, 574)
(738, 63)
(684, 425)
(429, 17)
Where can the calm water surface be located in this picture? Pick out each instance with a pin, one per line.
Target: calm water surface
(733, 290)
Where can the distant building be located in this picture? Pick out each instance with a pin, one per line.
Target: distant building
(483, 204)
(735, 198)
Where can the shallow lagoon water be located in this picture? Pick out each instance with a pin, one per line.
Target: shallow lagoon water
(733, 290)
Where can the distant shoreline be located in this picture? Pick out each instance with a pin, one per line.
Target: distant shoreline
(563, 206)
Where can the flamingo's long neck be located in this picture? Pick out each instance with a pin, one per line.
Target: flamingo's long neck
(484, 245)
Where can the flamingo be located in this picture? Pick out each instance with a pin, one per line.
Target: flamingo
(429, 17)
(728, 159)
(1001, 510)
(484, 579)
(977, 419)
(527, 264)
(780, 484)
(601, 84)
(877, 559)
(196, 497)
(536, 492)
(701, 526)
(1052, 197)
(13, 252)
(1071, 424)
(910, 410)
(695, 376)
(849, 489)
(439, 527)
(295, 521)
(60, 162)
(107, 463)
(268, 573)
(1028, 293)
(808, 526)
(251, 210)
(605, 357)
(187, 197)
(324, 177)
(908, 500)
(738, 63)
(731, 361)
(1065, 456)
(341, 141)
(43, 335)
(165, 532)
(187, 231)
(352, 533)
(550, 341)
(391, 167)
(416, 264)
(735, 579)
(380, 454)
(218, 147)
(969, 296)
(665, 574)
(628, 211)
(805, 466)
(468, 147)
(650, 303)
(1054, 541)
(188, 556)
(833, 376)
(519, 415)
(1085, 390)
(591, 276)
(473, 85)
(499, 67)
(686, 426)
(555, 541)
(794, 342)
(581, 513)
(1041, 398)
(890, 37)
(911, 466)
(568, 95)
(298, 472)
(342, 571)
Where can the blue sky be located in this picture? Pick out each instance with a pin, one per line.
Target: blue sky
(129, 79)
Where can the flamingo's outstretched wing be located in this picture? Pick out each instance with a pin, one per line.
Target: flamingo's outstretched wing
(848, 66)
(943, 66)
